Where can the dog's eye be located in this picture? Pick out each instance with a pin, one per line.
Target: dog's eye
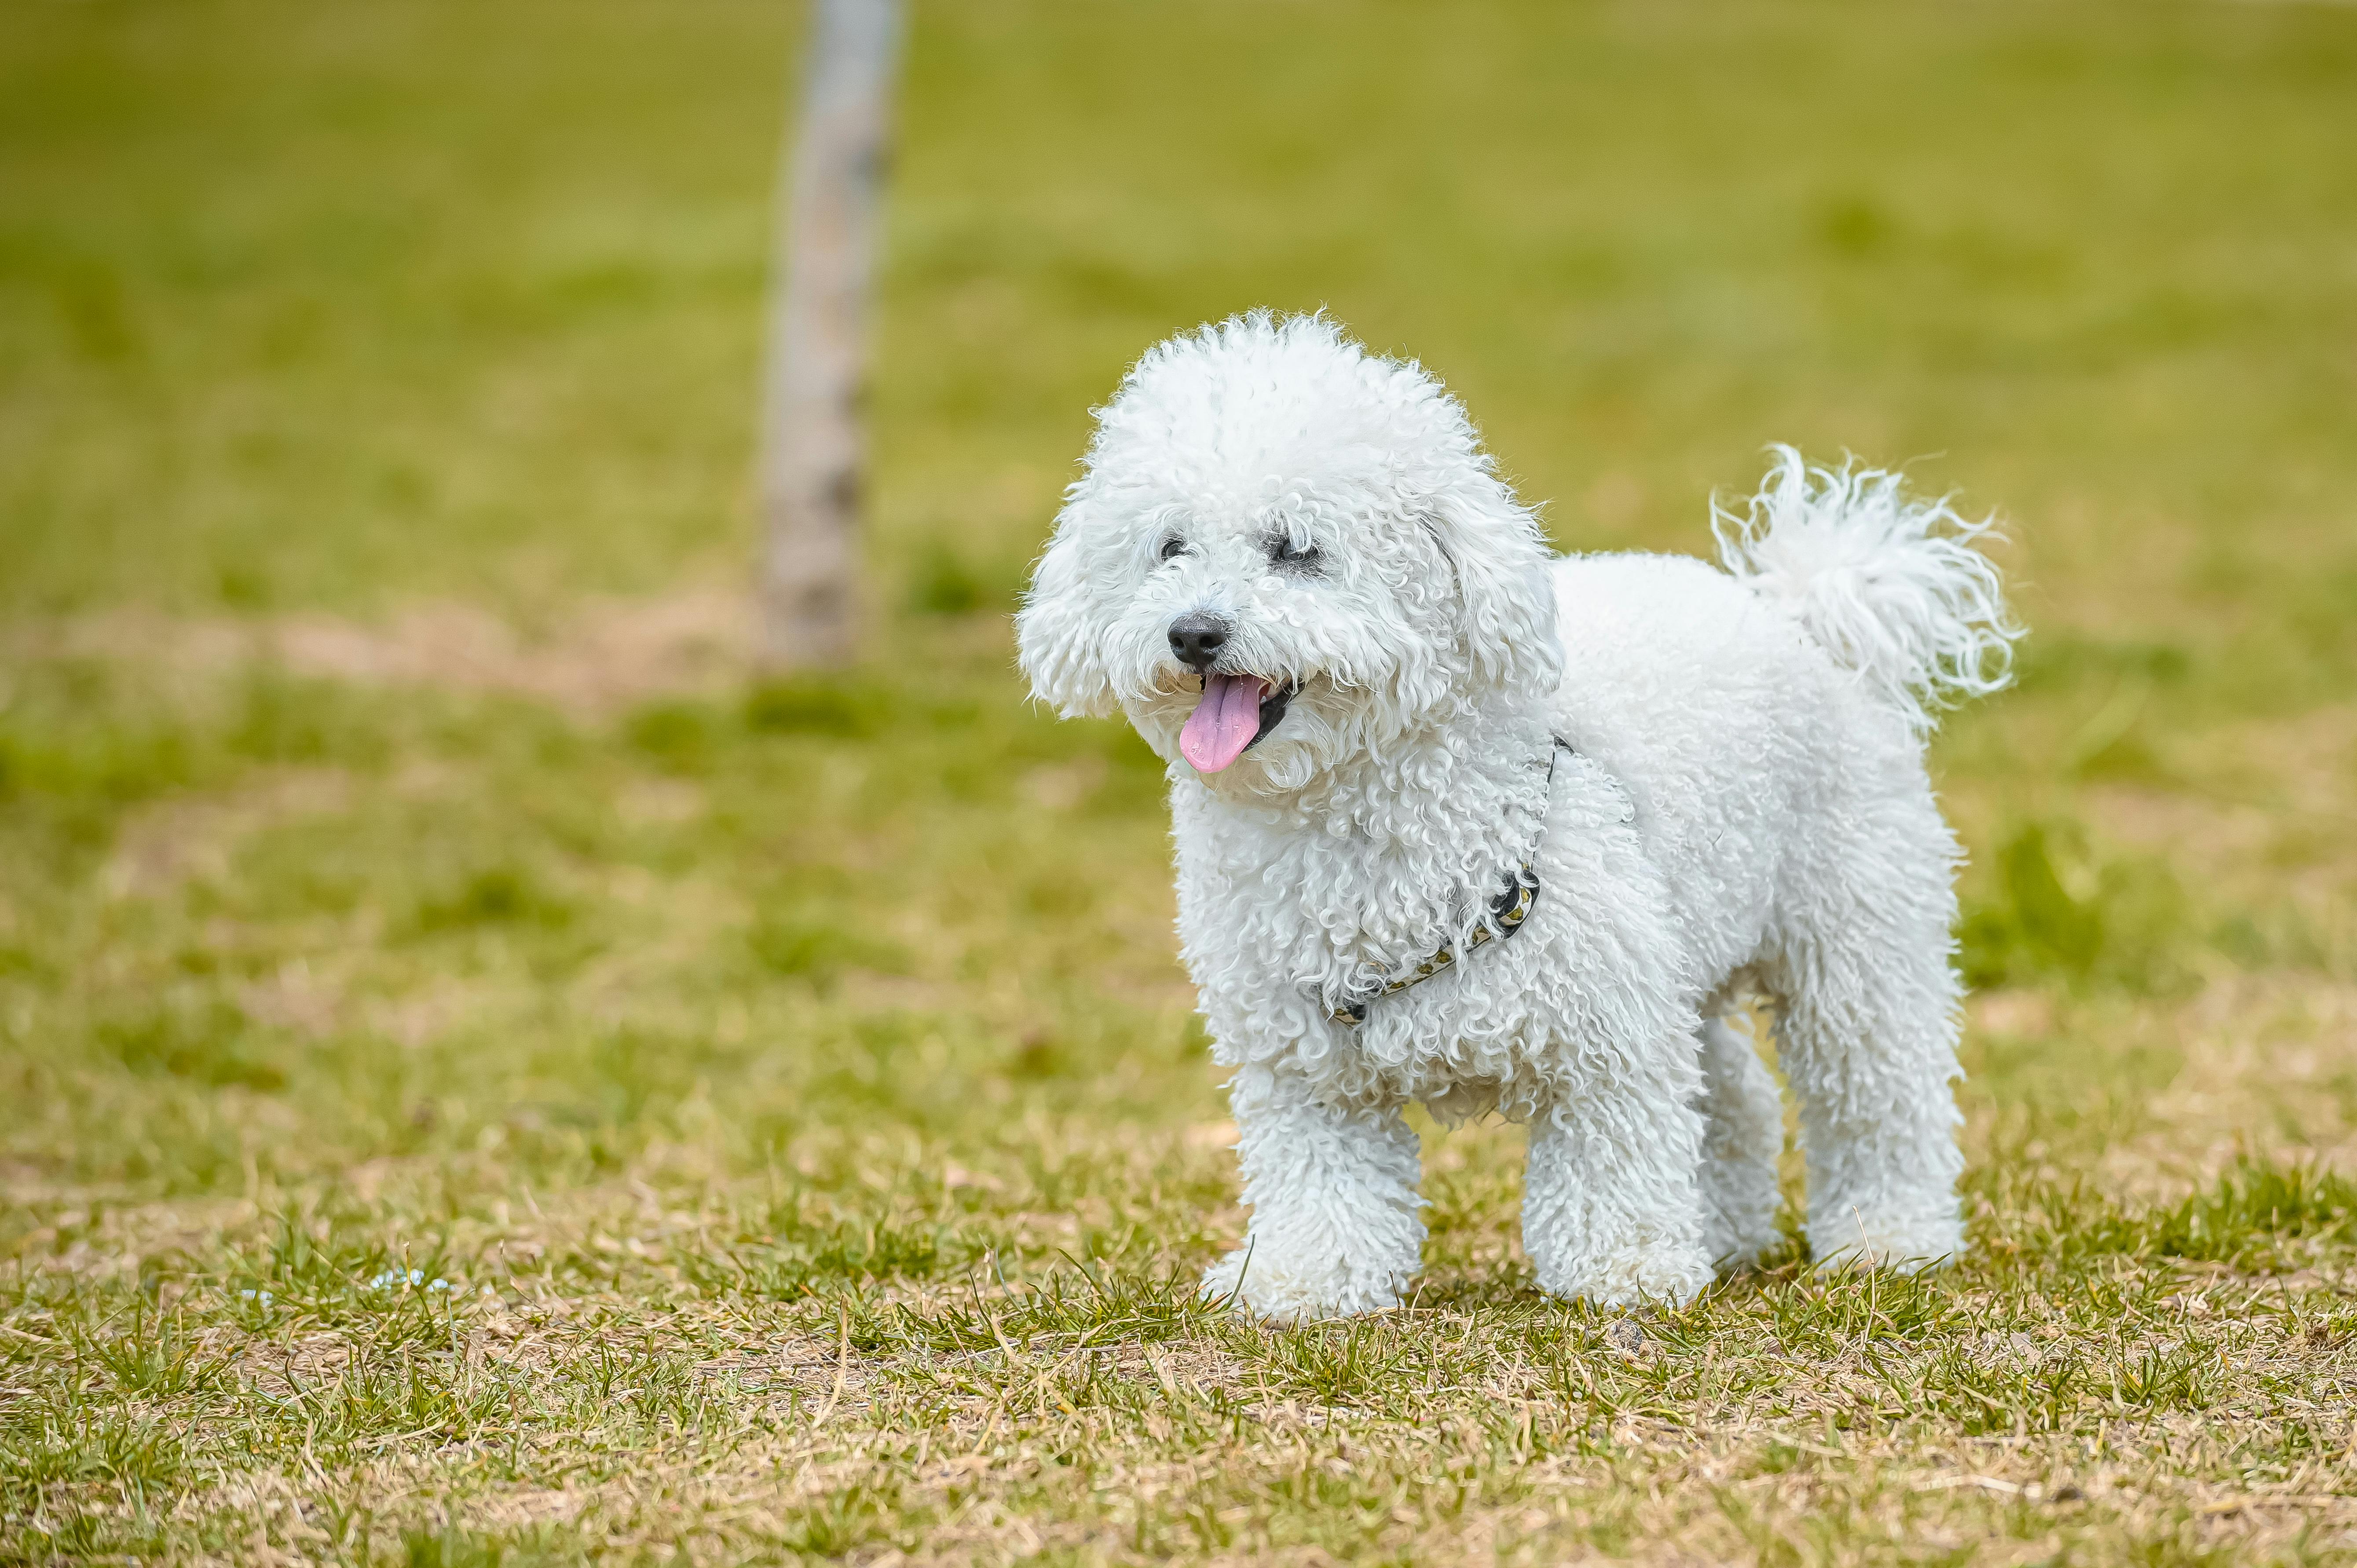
(1172, 548)
(1284, 553)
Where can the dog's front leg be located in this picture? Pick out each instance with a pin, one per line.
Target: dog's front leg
(1335, 1224)
(1611, 1204)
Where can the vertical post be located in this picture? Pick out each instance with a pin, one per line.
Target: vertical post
(816, 351)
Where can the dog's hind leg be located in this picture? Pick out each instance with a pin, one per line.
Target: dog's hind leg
(1743, 1137)
(1335, 1228)
(1869, 1019)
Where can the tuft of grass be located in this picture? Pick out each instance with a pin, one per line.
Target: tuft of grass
(945, 583)
(818, 707)
(2255, 1214)
(1346, 1363)
(491, 895)
(816, 944)
(2056, 914)
(209, 1041)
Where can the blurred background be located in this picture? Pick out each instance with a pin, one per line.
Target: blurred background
(385, 797)
(487, 1077)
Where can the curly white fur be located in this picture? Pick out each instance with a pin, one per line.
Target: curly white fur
(1743, 810)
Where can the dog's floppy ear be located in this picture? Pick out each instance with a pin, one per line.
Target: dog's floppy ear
(1058, 634)
(1505, 594)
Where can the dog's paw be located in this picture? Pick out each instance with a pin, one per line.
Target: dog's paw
(1627, 1276)
(1286, 1291)
(1907, 1245)
(1736, 1244)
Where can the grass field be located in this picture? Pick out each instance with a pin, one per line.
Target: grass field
(484, 1081)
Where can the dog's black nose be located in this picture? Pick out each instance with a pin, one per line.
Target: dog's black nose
(1196, 639)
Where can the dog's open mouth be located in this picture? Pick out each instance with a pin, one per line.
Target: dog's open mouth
(1235, 713)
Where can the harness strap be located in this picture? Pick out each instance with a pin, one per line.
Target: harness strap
(1507, 910)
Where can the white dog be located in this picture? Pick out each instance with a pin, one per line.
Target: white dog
(1463, 822)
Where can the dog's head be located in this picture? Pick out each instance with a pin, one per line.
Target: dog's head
(1284, 551)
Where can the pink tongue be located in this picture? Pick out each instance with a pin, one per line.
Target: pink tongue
(1223, 723)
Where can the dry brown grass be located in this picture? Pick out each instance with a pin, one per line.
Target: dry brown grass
(794, 1083)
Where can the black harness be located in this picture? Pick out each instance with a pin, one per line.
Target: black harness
(1507, 910)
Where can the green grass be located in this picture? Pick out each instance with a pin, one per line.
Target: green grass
(793, 1084)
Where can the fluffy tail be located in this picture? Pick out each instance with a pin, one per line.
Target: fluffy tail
(1890, 584)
